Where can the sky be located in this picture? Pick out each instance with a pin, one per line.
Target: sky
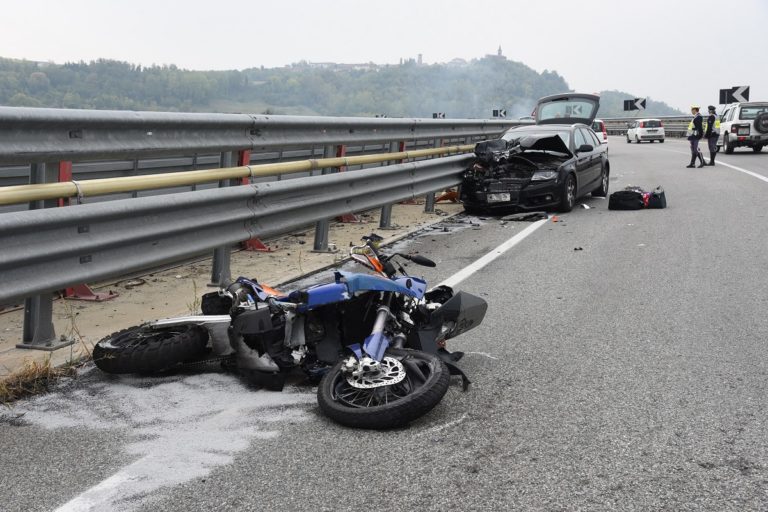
(678, 51)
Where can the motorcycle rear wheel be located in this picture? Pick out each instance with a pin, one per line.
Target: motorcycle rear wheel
(425, 383)
(142, 349)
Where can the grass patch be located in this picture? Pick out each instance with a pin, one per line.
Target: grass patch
(34, 378)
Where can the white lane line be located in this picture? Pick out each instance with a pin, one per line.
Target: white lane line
(720, 162)
(753, 174)
(467, 271)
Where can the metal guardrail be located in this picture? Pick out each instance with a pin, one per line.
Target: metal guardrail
(31, 135)
(67, 189)
(674, 126)
(104, 240)
(50, 147)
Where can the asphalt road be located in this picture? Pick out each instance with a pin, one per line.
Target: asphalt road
(628, 375)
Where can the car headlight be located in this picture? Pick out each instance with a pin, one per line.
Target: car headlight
(544, 175)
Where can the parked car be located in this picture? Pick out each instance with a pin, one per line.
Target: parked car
(544, 166)
(598, 126)
(645, 129)
(744, 125)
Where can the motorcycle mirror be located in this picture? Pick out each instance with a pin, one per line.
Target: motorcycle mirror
(419, 260)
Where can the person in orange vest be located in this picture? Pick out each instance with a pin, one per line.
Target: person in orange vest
(694, 134)
(712, 133)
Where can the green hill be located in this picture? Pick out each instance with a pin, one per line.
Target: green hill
(460, 89)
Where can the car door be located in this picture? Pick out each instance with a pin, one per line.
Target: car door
(583, 162)
(595, 166)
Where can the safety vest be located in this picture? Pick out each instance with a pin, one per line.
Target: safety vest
(690, 131)
(715, 129)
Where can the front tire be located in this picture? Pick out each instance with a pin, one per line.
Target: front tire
(568, 194)
(142, 349)
(424, 385)
(757, 148)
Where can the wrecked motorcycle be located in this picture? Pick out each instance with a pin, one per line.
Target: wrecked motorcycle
(375, 343)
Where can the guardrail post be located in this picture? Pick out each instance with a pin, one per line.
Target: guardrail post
(221, 275)
(385, 219)
(429, 204)
(322, 227)
(38, 332)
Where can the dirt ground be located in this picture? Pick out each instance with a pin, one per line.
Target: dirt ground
(177, 291)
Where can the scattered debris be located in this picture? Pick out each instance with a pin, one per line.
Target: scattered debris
(178, 276)
(450, 195)
(585, 206)
(555, 218)
(526, 217)
(578, 248)
(133, 283)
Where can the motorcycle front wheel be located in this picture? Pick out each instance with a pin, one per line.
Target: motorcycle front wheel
(420, 382)
(142, 349)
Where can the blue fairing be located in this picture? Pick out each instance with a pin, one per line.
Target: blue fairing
(327, 294)
(411, 286)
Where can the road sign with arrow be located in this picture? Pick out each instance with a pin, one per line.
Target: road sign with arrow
(738, 94)
(635, 104)
(502, 112)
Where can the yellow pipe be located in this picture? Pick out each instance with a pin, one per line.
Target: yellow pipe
(27, 193)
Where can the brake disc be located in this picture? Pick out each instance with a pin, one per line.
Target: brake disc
(390, 371)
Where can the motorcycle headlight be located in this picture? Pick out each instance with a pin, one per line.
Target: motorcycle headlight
(544, 175)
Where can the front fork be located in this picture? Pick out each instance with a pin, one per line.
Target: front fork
(368, 357)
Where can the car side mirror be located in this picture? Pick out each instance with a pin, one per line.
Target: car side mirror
(585, 148)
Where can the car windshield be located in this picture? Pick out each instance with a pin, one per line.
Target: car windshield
(652, 123)
(515, 135)
(752, 112)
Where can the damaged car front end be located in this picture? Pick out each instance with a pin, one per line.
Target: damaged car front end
(524, 172)
(544, 166)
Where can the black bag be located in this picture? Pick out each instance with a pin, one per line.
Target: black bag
(626, 200)
(658, 198)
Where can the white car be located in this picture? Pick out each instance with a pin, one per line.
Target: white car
(645, 129)
(598, 126)
(744, 124)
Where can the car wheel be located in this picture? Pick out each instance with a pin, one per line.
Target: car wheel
(727, 147)
(602, 190)
(757, 148)
(637, 139)
(628, 141)
(661, 141)
(568, 194)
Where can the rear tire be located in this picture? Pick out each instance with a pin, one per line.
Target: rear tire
(628, 141)
(637, 139)
(142, 349)
(602, 190)
(426, 382)
(661, 141)
(757, 148)
(727, 146)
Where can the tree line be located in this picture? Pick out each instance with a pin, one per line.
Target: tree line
(460, 89)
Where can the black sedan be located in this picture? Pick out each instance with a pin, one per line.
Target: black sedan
(541, 167)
